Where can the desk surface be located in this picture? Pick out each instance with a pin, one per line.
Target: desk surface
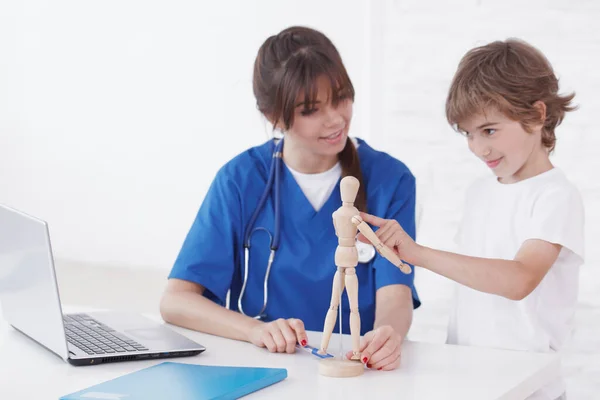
(427, 371)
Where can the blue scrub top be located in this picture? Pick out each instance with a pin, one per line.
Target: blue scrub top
(301, 278)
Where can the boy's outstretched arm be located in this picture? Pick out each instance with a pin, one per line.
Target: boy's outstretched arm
(514, 279)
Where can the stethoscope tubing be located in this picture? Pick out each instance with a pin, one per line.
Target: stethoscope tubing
(274, 177)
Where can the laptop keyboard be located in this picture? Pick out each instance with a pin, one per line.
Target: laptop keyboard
(94, 337)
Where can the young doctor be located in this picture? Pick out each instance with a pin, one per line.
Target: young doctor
(522, 235)
(302, 87)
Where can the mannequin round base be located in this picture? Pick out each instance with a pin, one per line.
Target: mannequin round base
(337, 368)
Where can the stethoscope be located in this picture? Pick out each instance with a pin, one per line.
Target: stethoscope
(366, 252)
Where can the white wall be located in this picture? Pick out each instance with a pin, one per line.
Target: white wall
(106, 107)
(106, 110)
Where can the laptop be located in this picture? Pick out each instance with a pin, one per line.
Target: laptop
(30, 302)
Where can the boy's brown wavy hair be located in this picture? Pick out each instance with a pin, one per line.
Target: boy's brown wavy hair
(510, 76)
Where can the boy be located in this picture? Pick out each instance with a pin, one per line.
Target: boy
(521, 239)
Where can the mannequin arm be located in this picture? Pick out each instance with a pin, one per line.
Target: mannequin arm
(385, 251)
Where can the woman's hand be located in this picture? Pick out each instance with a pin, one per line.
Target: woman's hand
(393, 236)
(279, 336)
(381, 348)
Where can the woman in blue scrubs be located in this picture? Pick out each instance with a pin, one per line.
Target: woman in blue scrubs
(302, 87)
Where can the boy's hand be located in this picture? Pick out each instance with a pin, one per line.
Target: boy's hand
(393, 236)
(279, 336)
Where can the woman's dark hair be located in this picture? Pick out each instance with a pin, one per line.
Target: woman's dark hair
(289, 64)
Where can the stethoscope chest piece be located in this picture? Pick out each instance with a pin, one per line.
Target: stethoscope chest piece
(366, 252)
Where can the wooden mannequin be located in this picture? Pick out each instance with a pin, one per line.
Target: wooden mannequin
(346, 259)
(347, 221)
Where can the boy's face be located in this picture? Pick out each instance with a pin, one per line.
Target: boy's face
(512, 153)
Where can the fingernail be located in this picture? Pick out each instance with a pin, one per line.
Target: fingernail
(303, 342)
(369, 365)
(379, 369)
(365, 359)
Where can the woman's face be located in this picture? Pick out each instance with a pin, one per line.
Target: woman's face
(321, 131)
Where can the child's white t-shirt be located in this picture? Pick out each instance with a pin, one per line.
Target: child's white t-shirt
(498, 218)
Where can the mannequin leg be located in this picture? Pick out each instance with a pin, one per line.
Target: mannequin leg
(352, 291)
(338, 286)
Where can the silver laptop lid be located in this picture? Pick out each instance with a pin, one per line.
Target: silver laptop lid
(28, 289)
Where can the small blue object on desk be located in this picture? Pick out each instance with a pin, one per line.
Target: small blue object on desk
(170, 380)
(314, 351)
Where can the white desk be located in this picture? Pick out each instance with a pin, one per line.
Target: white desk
(428, 371)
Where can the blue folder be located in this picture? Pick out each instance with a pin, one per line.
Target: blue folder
(170, 380)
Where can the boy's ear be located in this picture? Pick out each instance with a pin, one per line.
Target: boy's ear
(540, 107)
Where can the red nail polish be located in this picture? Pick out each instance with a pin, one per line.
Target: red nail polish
(365, 359)
(379, 369)
(303, 343)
